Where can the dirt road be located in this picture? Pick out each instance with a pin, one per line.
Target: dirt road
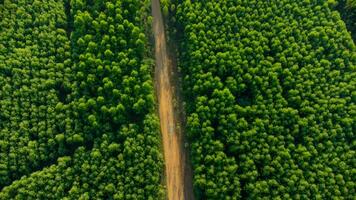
(178, 174)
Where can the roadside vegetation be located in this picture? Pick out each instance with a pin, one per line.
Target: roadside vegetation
(270, 94)
(77, 114)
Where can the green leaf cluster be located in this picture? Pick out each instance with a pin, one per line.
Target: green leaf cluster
(76, 103)
(35, 68)
(270, 93)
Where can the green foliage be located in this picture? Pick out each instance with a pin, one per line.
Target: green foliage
(351, 4)
(347, 9)
(35, 70)
(269, 87)
(166, 5)
(108, 170)
(86, 102)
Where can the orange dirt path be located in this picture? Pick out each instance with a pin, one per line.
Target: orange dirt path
(178, 175)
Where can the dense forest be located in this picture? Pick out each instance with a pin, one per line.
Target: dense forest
(77, 103)
(270, 93)
(269, 90)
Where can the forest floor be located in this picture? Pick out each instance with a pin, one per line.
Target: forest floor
(178, 175)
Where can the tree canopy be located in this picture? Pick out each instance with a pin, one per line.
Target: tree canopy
(77, 114)
(270, 93)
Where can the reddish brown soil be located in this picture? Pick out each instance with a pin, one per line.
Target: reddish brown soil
(178, 175)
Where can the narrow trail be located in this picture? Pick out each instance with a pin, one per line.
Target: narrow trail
(178, 174)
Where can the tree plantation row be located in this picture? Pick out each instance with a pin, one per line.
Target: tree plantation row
(270, 93)
(77, 113)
